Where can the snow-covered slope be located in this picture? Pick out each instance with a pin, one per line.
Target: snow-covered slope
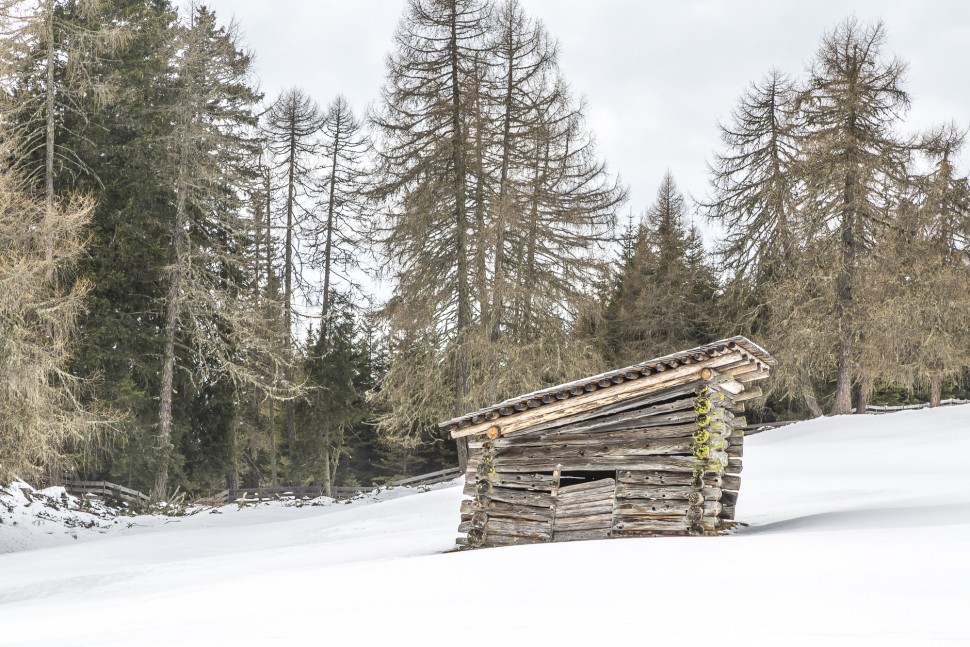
(859, 535)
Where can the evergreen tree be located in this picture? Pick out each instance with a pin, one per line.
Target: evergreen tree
(333, 406)
(210, 291)
(119, 341)
(665, 294)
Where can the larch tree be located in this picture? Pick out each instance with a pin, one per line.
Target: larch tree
(423, 155)
(343, 147)
(52, 47)
(291, 129)
(755, 188)
(43, 424)
(919, 308)
(849, 109)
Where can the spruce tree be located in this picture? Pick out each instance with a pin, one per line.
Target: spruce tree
(665, 295)
(209, 302)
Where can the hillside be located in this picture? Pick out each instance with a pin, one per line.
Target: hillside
(857, 534)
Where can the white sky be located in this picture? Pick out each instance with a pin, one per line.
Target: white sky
(657, 75)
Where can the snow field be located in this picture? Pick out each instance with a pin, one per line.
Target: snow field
(859, 534)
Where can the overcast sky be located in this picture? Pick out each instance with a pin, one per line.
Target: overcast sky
(657, 75)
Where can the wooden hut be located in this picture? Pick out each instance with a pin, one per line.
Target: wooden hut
(650, 449)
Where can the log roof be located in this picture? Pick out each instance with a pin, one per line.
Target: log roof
(609, 378)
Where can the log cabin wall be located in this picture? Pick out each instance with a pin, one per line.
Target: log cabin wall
(655, 453)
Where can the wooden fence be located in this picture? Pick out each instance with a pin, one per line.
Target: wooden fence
(299, 492)
(875, 408)
(105, 490)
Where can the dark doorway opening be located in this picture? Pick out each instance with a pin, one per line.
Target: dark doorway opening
(575, 478)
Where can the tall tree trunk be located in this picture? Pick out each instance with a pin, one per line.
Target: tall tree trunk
(503, 193)
(288, 280)
(273, 476)
(49, 108)
(461, 224)
(808, 394)
(936, 385)
(172, 308)
(325, 310)
(271, 421)
(864, 391)
(325, 456)
(844, 298)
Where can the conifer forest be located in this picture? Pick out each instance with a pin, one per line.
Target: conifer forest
(187, 262)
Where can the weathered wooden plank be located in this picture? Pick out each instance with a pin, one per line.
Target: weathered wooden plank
(638, 412)
(530, 529)
(611, 463)
(735, 451)
(501, 509)
(589, 509)
(624, 528)
(585, 522)
(518, 497)
(734, 466)
(750, 393)
(594, 437)
(665, 492)
(731, 482)
(632, 508)
(581, 535)
(652, 478)
(601, 484)
(496, 540)
(729, 498)
(598, 421)
(559, 452)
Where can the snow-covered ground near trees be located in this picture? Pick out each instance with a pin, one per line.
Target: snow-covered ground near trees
(858, 534)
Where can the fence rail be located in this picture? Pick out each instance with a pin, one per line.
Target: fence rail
(266, 493)
(104, 489)
(875, 408)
